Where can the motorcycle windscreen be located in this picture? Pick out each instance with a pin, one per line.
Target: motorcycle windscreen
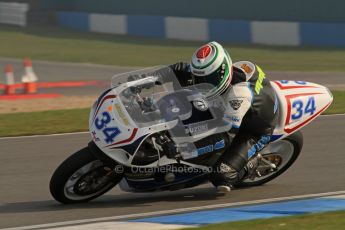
(205, 118)
(139, 91)
(154, 96)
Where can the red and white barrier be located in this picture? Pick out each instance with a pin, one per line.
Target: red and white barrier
(29, 78)
(10, 88)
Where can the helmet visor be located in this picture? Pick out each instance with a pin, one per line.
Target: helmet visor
(216, 78)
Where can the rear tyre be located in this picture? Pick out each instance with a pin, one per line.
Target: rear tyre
(81, 178)
(285, 152)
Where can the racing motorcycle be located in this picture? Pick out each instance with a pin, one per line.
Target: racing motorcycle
(150, 134)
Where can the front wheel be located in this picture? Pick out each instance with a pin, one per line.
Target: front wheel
(81, 178)
(282, 154)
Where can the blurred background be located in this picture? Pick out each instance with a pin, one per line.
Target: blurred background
(295, 23)
(279, 35)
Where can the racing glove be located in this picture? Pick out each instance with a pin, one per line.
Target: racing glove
(182, 73)
(180, 67)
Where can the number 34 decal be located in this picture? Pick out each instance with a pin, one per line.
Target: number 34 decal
(109, 132)
(299, 108)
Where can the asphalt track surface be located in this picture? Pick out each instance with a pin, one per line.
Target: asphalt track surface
(57, 71)
(28, 162)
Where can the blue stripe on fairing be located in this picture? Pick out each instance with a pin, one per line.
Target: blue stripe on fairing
(148, 26)
(276, 137)
(250, 212)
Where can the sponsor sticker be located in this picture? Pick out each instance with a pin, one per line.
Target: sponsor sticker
(219, 145)
(209, 148)
(122, 115)
(235, 104)
(197, 129)
(235, 119)
(246, 68)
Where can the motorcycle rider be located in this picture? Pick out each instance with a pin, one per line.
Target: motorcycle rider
(252, 107)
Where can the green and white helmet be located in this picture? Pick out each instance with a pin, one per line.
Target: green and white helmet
(212, 64)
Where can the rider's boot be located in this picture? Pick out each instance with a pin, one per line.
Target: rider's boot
(226, 177)
(234, 176)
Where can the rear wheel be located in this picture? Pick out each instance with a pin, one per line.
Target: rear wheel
(282, 154)
(82, 177)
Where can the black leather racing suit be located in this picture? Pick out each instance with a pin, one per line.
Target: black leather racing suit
(253, 113)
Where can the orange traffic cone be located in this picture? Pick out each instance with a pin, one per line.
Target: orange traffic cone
(10, 88)
(29, 78)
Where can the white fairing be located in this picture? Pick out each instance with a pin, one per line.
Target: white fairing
(112, 127)
(120, 119)
(299, 103)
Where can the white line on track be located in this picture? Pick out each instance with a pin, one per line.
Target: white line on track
(62, 134)
(175, 211)
(333, 115)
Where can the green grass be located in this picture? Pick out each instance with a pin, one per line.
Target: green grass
(74, 120)
(338, 105)
(70, 46)
(56, 121)
(321, 221)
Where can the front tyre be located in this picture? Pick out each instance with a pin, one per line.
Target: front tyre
(81, 178)
(282, 153)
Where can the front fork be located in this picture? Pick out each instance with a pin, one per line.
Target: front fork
(114, 169)
(256, 163)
